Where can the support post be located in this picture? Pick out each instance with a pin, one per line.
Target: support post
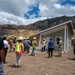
(40, 41)
(65, 39)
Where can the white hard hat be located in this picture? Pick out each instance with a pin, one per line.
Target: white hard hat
(34, 38)
(20, 38)
(5, 35)
(44, 39)
(27, 37)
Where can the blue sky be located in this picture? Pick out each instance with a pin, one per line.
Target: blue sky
(24, 12)
(34, 10)
(70, 2)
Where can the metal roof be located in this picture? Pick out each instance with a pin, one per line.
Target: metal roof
(69, 23)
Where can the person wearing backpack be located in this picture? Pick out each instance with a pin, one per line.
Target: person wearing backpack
(50, 48)
(19, 51)
(28, 45)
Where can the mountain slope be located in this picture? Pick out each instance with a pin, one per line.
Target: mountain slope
(51, 22)
(39, 25)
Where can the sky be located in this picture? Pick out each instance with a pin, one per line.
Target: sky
(24, 12)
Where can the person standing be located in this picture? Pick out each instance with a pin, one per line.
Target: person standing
(74, 50)
(19, 51)
(14, 42)
(1, 56)
(34, 43)
(5, 48)
(50, 48)
(44, 45)
(25, 45)
(60, 47)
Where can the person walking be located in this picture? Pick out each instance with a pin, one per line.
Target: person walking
(5, 48)
(50, 48)
(1, 56)
(28, 44)
(34, 43)
(19, 51)
(60, 47)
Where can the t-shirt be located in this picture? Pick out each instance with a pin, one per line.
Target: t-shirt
(5, 44)
(50, 44)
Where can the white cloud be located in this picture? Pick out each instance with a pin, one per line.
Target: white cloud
(73, 8)
(58, 6)
(16, 7)
(6, 18)
(12, 11)
(54, 9)
(43, 7)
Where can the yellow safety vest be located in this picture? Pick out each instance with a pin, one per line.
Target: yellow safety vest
(34, 43)
(18, 47)
(44, 42)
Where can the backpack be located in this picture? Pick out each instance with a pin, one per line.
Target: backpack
(28, 43)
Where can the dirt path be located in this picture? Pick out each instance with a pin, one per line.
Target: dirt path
(41, 65)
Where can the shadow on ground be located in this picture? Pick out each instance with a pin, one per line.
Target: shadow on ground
(13, 66)
(71, 59)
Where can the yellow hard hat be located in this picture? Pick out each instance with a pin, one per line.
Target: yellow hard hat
(15, 36)
(17, 39)
(25, 38)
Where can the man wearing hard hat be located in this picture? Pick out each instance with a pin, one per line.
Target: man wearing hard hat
(34, 43)
(44, 45)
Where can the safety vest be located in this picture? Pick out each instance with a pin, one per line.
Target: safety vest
(34, 43)
(44, 42)
(18, 47)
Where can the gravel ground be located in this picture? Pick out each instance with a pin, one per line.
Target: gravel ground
(41, 65)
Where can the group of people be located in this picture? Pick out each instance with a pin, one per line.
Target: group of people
(3, 53)
(22, 45)
(51, 47)
(19, 45)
